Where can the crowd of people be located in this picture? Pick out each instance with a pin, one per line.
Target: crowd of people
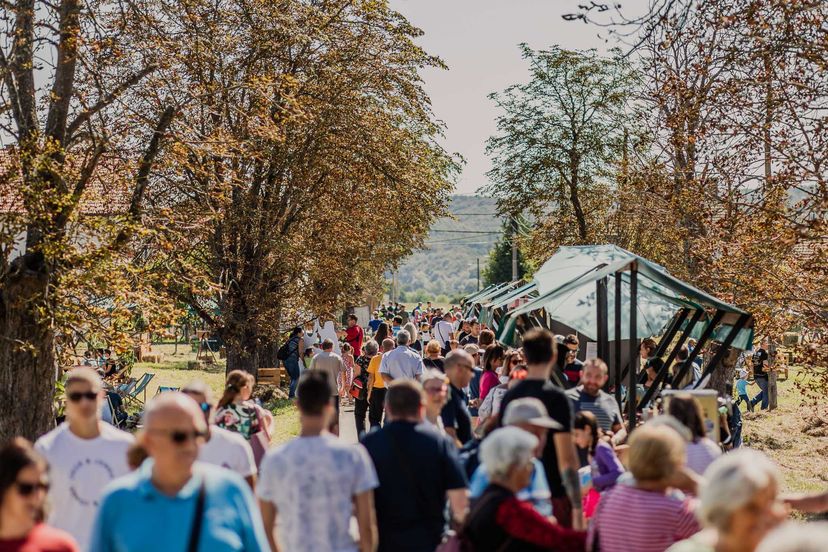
(465, 445)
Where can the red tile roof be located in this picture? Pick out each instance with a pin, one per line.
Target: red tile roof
(105, 193)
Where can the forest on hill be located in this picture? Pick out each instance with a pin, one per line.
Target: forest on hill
(447, 267)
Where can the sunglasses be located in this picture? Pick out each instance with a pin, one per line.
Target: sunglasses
(77, 396)
(26, 489)
(181, 437)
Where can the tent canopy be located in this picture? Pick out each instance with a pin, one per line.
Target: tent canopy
(504, 299)
(567, 292)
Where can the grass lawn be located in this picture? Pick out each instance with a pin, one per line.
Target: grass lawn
(173, 372)
(802, 457)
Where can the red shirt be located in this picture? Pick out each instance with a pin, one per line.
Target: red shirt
(41, 539)
(521, 521)
(354, 336)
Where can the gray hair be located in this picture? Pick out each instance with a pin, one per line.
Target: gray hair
(403, 337)
(371, 347)
(796, 537)
(506, 448)
(731, 482)
(412, 330)
(432, 374)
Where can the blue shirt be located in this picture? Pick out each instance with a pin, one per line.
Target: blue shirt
(741, 386)
(537, 493)
(135, 516)
(401, 363)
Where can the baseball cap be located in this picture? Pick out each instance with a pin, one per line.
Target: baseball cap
(529, 410)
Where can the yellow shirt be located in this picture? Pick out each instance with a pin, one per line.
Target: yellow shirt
(373, 368)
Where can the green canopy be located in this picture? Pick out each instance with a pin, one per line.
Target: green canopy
(483, 296)
(567, 292)
(487, 309)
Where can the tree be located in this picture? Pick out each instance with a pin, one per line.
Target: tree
(736, 93)
(73, 143)
(558, 139)
(306, 119)
(499, 263)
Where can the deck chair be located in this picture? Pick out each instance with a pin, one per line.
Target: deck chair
(126, 387)
(140, 388)
(113, 413)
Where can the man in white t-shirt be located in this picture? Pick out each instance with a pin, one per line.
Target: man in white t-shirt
(84, 455)
(310, 486)
(222, 447)
(443, 331)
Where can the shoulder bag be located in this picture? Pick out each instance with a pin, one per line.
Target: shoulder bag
(195, 527)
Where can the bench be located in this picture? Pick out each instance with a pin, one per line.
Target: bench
(269, 376)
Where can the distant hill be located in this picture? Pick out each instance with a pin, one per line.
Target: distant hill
(448, 267)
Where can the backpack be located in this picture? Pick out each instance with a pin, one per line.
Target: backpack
(283, 352)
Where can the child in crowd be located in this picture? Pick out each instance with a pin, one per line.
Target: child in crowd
(307, 357)
(741, 389)
(346, 377)
(454, 344)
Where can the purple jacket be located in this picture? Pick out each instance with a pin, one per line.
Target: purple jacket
(606, 468)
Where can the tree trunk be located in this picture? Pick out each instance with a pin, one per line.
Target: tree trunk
(242, 358)
(725, 372)
(267, 355)
(27, 361)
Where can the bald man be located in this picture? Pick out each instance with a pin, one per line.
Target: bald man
(173, 502)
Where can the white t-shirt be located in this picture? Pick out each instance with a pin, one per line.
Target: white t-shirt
(442, 332)
(312, 482)
(79, 470)
(228, 450)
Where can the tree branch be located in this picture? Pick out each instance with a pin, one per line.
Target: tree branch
(142, 178)
(64, 83)
(107, 100)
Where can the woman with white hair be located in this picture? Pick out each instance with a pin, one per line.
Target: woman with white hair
(737, 504)
(498, 521)
(414, 342)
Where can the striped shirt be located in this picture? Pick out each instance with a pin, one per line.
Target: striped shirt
(631, 519)
(603, 406)
(701, 454)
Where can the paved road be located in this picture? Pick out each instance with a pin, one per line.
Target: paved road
(347, 429)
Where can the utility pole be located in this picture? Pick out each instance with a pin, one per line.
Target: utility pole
(478, 274)
(514, 249)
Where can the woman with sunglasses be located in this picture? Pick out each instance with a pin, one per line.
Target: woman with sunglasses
(23, 487)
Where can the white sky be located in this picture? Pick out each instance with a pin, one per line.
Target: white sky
(478, 41)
